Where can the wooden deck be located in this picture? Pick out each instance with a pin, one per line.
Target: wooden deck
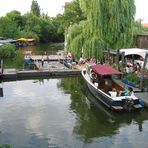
(50, 65)
(48, 69)
(45, 57)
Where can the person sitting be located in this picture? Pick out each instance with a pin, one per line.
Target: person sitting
(127, 92)
(92, 60)
(82, 60)
(69, 55)
(113, 93)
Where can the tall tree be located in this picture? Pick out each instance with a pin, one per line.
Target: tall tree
(71, 18)
(109, 24)
(35, 8)
(72, 13)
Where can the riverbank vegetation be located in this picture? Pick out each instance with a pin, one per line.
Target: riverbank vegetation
(12, 58)
(7, 51)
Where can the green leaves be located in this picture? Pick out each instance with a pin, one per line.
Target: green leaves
(108, 24)
(7, 51)
(35, 8)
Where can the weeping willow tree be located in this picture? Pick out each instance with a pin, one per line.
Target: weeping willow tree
(108, 24)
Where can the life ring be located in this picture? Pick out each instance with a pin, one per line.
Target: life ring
(93, 75)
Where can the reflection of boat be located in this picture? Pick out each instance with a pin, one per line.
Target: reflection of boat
(99, 79)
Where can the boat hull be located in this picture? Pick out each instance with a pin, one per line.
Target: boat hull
(104, 99)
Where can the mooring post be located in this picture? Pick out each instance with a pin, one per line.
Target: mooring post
(117, 60)
(142, 72)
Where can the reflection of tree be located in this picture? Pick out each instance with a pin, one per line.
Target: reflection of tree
(93, 119)
(88, 125)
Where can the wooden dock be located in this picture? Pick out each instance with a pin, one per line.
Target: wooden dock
(49, 69)
(143, 96)
(45, 57)
(14, 74)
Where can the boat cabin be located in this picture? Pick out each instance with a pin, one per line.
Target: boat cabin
(103, 77)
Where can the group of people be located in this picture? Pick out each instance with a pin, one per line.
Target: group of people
(132, 68)
(83, 60)
(127, 92)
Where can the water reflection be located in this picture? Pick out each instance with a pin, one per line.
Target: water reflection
(95, 120)
(1, 89)
(49, 48)
(61, 112)
(92, 121)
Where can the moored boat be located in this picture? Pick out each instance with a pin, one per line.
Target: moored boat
(101, 83)
(24, 42)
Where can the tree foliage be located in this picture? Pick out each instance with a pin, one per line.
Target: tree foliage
(8, 28)
(32, 25)
(108, 24)
(72, 13)
(35, 8)
(7, 51)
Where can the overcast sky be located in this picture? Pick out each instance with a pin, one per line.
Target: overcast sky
(54, 7)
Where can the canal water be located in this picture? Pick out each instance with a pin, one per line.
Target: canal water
(61, 113)
(39, 49)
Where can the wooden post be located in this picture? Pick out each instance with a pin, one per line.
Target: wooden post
(117, 60)
(108, 56)
(142, 72)
(122, 60)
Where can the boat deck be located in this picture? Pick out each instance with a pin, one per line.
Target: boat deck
(143, 96)
(138, 93)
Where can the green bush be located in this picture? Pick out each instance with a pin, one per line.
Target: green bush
(6, 146)
(133, 78)
(7, 51)
(16, 62)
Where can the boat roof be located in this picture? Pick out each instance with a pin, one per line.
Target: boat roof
(136, 51)
(26, 39)
(105, 70)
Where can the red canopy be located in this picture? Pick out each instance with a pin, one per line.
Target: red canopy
(105, 70)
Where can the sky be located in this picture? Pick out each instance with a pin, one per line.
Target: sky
(54, 7)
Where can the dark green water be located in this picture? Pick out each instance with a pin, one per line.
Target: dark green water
(61, 113)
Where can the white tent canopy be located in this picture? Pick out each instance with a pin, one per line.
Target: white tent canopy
(134, 51)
